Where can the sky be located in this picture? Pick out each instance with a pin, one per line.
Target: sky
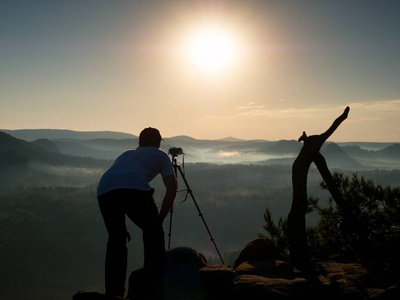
(283, 67)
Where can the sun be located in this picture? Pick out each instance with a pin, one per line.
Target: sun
(212, 49)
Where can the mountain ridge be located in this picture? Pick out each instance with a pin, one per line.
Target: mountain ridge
(35, 134)
(222, 151)
(24, 163)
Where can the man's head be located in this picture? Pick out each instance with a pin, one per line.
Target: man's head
(150, 137)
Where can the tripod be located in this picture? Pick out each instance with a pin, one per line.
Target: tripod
(177, 168)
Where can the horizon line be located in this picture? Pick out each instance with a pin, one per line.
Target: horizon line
(184, 135)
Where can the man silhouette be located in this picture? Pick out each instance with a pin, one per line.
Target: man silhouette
(124, 190)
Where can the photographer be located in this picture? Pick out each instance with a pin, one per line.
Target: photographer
(124, 190)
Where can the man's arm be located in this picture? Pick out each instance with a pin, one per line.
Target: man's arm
(169, 197)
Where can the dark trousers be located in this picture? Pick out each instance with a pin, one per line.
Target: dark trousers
(140, 207)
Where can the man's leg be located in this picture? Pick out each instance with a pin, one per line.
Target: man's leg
(144, 213)
(116, 256)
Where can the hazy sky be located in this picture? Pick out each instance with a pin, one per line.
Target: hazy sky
(123, 65)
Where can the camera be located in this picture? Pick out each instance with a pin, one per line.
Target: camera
(175, 151)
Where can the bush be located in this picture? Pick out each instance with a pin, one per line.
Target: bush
(371, 236)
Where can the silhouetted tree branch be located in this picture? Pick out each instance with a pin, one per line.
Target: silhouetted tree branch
(298, 247)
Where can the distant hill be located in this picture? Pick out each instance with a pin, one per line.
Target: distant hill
(108, 145)
(284, 147)
(96, 148)
(11, 147)
(231, 139)
(38, 163)
(371, 146)
(46, 144)
(386, 158)
(337, 158)
(36, 152)
(52, 134)
(389, 153)
(357, 152)
(183, 138)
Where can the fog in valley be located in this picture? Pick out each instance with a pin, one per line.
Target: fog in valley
(52, 236)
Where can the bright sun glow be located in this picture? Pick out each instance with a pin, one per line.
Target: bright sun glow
(212, 49)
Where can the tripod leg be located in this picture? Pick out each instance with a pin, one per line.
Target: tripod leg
(200, 213)
(175, 166)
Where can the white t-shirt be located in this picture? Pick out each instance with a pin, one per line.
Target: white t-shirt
(134, 169)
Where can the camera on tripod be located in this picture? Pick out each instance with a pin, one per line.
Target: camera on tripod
(174, 151)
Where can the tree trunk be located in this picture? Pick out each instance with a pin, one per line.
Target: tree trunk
(299, 255)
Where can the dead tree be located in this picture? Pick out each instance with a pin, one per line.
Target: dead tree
(298, 247)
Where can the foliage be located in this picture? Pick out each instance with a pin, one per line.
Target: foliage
(52, 233)
(277, 234)
(54, 236)
(372, 234)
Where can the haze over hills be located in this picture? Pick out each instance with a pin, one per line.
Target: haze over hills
(48, 201)
(51, 134)
(107, 145)
(41, 163)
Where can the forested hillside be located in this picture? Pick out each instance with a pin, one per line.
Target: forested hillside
(30, 164)
(52, 237)
(108, 145)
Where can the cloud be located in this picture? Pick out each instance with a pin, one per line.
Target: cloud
(253, 109)
(385, 106)
(376, 111)
(250, 105)
(359, 112)
(376, 108)
(367, 121)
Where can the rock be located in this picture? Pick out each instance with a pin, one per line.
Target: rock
(351, 281)
(392, 292)
(184, 257)
(86, 295)
(342, 274)
(268, 268)
(270, 279)
(259, 287)
(181, 279)
(260, 272)
(259, 249)
(217, 282)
